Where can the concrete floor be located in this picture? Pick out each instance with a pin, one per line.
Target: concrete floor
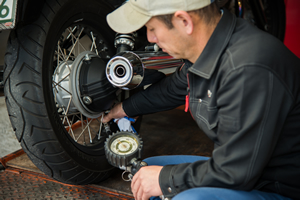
(8, 140)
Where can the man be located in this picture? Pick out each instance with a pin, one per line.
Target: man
(242, 87)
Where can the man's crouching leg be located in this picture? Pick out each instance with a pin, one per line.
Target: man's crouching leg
(226, 194)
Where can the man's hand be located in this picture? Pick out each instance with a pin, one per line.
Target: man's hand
(115, 113)
(145, 183)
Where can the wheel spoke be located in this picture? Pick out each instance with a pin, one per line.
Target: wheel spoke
(64, 78)
(70, 127)
(91, 141)
(84, 130)
(74, 44)
(81, 118)
(101, 122)
(77, 40)
(74, 40)
(69, 103)
(69, 115)
(94, 44)
(93, 130)
(71, 32)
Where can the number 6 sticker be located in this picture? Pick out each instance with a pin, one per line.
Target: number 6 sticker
(4, 10)
(7, 14)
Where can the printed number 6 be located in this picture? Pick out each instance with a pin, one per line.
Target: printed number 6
(4, 9)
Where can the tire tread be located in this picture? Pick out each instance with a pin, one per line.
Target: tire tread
(27, 111)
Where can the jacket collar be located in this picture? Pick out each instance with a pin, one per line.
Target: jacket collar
(207, 61)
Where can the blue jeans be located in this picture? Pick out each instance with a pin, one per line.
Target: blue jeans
(209, 192)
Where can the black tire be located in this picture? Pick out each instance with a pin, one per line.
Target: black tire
(29, 66)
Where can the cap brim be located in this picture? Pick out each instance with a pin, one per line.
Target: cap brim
(126, 20)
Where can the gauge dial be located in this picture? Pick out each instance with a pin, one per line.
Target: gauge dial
(124, 145)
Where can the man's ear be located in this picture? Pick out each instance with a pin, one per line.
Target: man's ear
(183, 20)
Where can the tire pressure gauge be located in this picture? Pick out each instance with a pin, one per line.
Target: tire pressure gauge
(122, 147)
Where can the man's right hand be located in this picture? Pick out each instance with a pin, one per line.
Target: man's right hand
(115, 113)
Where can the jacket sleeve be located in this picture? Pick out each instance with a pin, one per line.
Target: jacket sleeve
(251, 115)
(166, 94)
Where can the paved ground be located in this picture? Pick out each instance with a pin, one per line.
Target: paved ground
(8, 141)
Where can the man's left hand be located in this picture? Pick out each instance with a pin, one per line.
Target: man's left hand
(145, 183)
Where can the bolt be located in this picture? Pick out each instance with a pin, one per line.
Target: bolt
(87, 100)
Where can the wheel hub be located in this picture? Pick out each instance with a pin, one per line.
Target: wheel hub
(61, 86)
(86, 89)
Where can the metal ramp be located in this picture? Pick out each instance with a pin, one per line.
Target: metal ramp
(168, 133)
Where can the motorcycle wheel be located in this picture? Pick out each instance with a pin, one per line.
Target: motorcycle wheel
(58, 139)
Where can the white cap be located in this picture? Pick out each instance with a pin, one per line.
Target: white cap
(134, 14)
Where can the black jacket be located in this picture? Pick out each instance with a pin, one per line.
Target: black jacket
(245, 95)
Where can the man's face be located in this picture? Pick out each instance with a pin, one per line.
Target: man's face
(170, 40)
